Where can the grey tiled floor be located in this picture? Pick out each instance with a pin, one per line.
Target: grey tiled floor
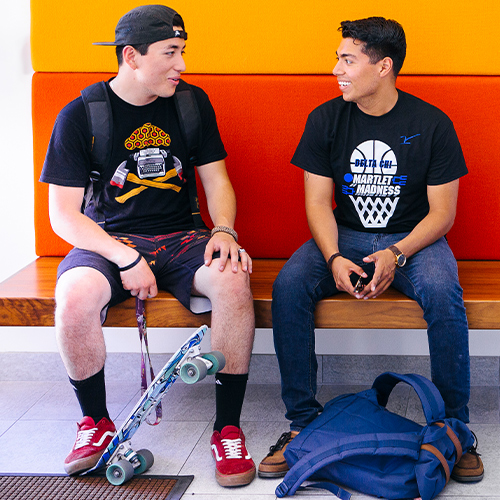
(37, 425)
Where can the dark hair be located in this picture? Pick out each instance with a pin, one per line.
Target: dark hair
(144, 47)
(381, 37)
(141, 48)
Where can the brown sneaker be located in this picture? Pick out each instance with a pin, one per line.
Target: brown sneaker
(470, 467)
(274, 465)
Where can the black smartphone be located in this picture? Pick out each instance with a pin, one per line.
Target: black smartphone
(358, 282)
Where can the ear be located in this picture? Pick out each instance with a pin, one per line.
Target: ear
(386, 66)
(130, 56)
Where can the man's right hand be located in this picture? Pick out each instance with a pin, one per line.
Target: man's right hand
(342, 269)
(140, 281)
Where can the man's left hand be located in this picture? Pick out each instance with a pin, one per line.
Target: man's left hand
(229, 251)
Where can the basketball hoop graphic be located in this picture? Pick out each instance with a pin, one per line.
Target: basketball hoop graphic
(374, 165)
(374, 212)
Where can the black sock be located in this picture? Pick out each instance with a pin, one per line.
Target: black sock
(229, 395)
(91, 394)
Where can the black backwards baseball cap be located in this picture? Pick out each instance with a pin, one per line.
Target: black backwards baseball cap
(146, 24)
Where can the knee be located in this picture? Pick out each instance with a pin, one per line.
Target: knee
(233, 287)
(291, 281)
(442, 296)
(80, 296)
(441, 282)
(438, 274)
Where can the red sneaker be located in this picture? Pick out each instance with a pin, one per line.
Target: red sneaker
(91, 441)
(233, 464)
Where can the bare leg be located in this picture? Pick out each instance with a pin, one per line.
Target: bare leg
(233, 318)
(81, 293)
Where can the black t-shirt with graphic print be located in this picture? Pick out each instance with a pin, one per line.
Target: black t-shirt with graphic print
(381, 166)
(144, 187)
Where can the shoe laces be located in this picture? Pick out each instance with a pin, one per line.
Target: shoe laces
(232, 448)
(473, 449)
(84, 438)
(285, 438)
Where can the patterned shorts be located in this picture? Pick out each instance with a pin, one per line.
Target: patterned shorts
(174, 259)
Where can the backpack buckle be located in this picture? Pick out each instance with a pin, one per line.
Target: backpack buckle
(95, 176)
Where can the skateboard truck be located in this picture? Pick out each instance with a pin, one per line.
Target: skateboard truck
(128, 463)
(197, 366)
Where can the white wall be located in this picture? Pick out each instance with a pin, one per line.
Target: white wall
(16, 167)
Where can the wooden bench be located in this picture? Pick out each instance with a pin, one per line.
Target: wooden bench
(27, 299)
(261, 118)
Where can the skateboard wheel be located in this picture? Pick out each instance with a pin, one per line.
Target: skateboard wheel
(217, 359)
(193, 371)
(119, 473)
(146, 459)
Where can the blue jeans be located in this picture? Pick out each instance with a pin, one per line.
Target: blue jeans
(430, 277)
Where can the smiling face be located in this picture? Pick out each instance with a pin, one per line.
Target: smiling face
(360, 80)
(158, 72)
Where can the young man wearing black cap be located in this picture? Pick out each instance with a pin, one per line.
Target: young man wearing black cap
(149, 238)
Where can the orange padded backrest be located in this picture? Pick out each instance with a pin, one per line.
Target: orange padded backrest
(50, 93)
(261, 119)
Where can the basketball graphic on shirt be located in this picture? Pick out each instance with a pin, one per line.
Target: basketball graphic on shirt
(373, 187)
(374, 157)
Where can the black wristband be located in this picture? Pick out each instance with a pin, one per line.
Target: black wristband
(130, 266)
(331, 259)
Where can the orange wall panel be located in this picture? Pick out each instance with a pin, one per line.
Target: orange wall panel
(283, 36)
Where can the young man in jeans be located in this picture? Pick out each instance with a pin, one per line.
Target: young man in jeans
(392, 163)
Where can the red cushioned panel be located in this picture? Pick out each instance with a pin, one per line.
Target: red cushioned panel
(261, 119)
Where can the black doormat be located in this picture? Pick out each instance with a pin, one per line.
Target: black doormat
(61, 487)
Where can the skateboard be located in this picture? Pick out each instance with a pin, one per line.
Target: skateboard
(119, 458)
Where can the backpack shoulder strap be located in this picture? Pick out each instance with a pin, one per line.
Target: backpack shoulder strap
(393, 444)
(431, 399)
(98, 109)
(190, 125)
(189, 118)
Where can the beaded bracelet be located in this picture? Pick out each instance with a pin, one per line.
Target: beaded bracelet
(225, 229)
(331, 259)
(130, 266)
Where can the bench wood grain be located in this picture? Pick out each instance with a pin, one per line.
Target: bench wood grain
(27, 299)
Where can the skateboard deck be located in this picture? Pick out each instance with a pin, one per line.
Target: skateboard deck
(121, 460)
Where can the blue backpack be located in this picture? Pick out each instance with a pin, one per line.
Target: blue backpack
(358, 443)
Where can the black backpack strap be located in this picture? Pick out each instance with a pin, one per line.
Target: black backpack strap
(98, 109)
(190, 125)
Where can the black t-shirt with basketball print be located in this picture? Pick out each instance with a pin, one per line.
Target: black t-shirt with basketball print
(381, 165)
(144, 186)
